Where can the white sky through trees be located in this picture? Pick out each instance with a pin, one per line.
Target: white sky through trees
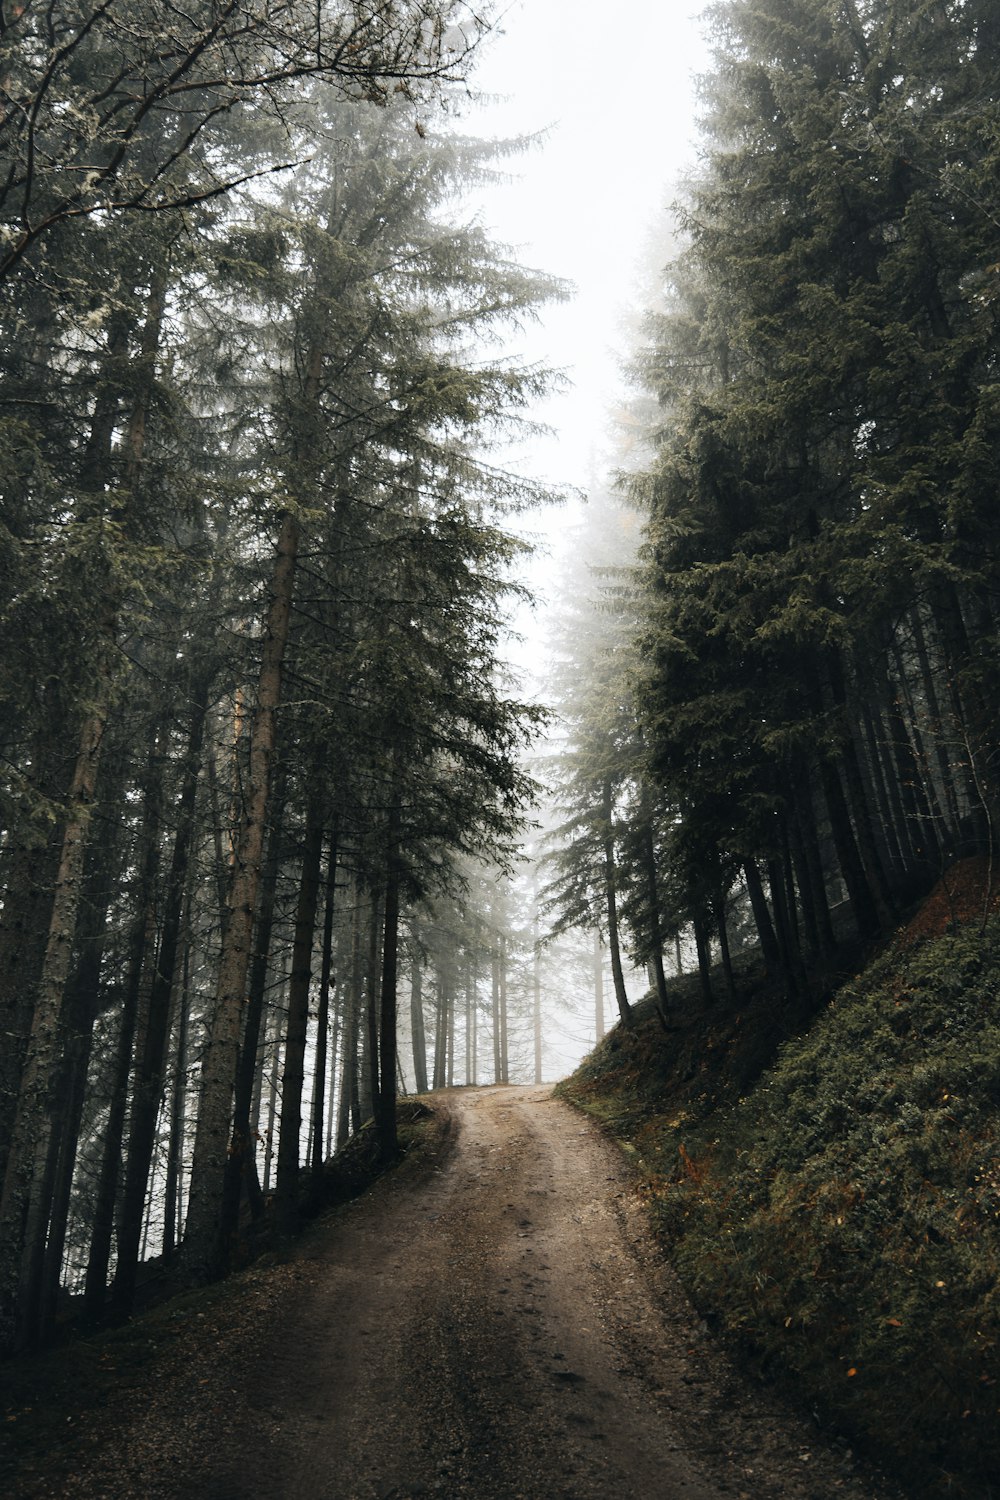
(614, 92)
(614, 88)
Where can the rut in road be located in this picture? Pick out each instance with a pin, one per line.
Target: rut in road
(499, 1327)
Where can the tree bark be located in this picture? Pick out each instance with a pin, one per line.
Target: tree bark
(385, 1119)
(214, 1129)
(178, 1097)
(242, 1149)
(504, 1047)
(761, 914)
(286, 1200)
(323, 1014)
(142, 948)
(25, 1198)
(150, 1072)
(417, 1030)
(599, 1022)
(611, 907)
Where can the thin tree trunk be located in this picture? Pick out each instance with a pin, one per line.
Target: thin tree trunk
(323, 1013)
(81, 1008)
(178, 1097)
(805, 818)
(370, 1070)
(148, 1092)
(504, 1049)
(727, 961)
(272, 1040)
(286, 1199)
(853, 786)
(611, 907)
(881, 739)
(336, 1050)
(26, 1196)
(385, 1119)
(761, 914)
(27, 894)
(350, 1110)
(599, 1022)
(470, 1014)
(937, 726)
(443, 1001)
(858, 889)
(417, 1031)
(142, 949)
(703, 950)
(495, 999)
(537, 996)
(242, 1159)
(648, 850)
(214, 1129)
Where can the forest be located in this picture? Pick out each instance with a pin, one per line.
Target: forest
(263, 760)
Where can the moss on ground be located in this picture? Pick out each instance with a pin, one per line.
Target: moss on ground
(840, 1214)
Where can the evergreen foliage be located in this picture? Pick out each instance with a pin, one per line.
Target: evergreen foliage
(820, 563)
(259, 564)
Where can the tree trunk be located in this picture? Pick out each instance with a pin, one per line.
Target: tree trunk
(599, 1023)
(495, 997)
(417, 1031)
(178, 1097)
(350, 1109)
(25, 1199)
(470, 1014)
(651, 878)
(385, 1118)
(370, 1068)
(142, 950)
(928, 676)
(537, 996)
(611, 906)
(504, 1048)
(242, 1148)
(809, 838)
(858, 890)
(761, 915)
(727, 961)
(218, 1080)
(703, 950)
(323, 1013)
(148, 1092)
(31, 872)
(286, 1198)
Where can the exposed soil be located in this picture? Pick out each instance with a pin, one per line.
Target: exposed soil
(497, 1325)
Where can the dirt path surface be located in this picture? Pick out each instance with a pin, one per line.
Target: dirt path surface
(497, 1327)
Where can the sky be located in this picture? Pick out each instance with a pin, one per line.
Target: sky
(612, 94)
(614, 91)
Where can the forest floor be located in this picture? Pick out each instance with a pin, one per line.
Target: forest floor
(492, 1321)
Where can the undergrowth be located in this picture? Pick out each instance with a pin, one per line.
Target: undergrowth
(840, 1216)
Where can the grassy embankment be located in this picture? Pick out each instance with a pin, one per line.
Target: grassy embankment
(830, 1193)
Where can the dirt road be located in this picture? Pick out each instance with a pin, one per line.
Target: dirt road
(497, 1328)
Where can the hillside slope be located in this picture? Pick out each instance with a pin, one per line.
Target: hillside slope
(836, 1209)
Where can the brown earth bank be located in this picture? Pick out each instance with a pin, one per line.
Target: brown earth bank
(496, 1324)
